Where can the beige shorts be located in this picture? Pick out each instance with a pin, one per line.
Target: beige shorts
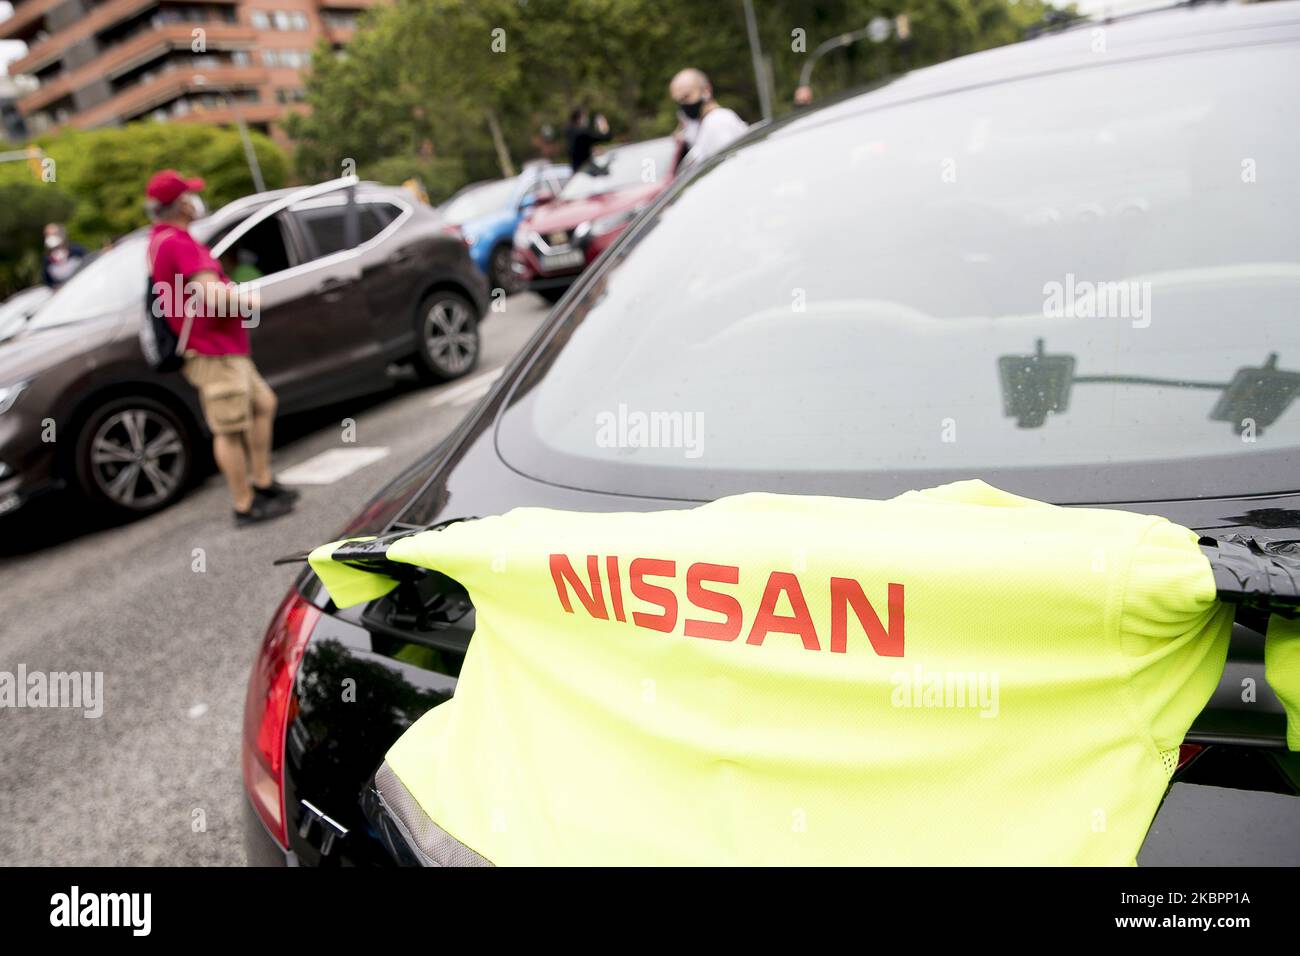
(228, 387)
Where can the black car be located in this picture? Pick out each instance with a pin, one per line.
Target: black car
(352, 276)
(19, 307)
(1072, 274)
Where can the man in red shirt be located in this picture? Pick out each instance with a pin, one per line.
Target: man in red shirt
(207, 312)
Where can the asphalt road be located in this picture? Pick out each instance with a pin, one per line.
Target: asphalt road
(156, 779)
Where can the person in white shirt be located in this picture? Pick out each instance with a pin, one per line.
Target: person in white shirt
(706, 127)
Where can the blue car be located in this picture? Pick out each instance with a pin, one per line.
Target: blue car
(488, 212)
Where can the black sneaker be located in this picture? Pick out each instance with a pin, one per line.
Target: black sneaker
(262, 509)
(276, 490)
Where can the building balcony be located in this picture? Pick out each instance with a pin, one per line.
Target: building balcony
(138, 50)
(27, 19)
(42, 54)
(153, 92)
(252, 114)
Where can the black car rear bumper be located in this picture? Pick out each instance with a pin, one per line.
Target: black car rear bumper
(260, 846)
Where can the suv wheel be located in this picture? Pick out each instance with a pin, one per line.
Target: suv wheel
(448, 336)
(134, 455)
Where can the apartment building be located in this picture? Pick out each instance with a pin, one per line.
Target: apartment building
(12, 125)
(108, 62)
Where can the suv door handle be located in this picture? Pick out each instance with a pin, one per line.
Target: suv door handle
(400, 256)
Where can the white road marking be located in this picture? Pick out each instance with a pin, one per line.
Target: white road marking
(329, 466)
(468, 390)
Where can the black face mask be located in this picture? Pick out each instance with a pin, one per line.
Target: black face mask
(692, 110)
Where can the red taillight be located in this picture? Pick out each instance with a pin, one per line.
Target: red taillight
(267, 706)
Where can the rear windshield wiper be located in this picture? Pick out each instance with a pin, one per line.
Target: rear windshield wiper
(1261, 576)
(1254, 574)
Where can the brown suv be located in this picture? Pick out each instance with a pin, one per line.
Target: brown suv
(353, 276)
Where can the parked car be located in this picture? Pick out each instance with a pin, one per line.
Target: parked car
(557, 240)
(352, 278)
(19, 307)
(487, 214)
(834, 295)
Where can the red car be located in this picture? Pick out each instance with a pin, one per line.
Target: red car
(560, 237)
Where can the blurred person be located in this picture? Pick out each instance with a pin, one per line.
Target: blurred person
(246, 269)
(62, 259)
(238, 406)
(545, 142)
(582, 134)
(706, 128)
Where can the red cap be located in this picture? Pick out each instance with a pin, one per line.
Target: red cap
(167, 185)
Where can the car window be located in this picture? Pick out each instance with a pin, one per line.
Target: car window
(1074, 287)
(326, 227)
(257, 253)
(621, 167)
(375, 218)
(115, 280)
(480, 200)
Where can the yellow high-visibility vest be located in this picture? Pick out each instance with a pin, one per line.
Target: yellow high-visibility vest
(953, 676)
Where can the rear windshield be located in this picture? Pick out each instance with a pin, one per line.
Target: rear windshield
(621, 167)
(1083, 287)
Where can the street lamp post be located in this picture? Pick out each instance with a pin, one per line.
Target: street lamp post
(259, 185)
(878, 30)
(756, 53)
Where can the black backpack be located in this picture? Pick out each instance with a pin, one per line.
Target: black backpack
(163, 349)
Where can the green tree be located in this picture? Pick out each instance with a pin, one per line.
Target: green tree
(938, 30)
(104, 171)
(440, 177)
(27, 206)
(421, 76)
